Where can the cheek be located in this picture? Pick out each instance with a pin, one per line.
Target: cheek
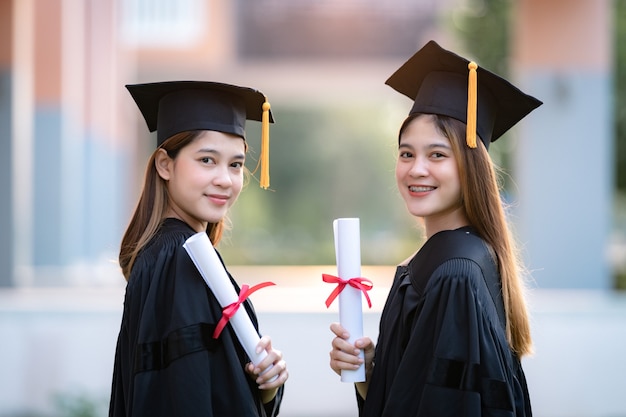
(237, 181)
(400, 171)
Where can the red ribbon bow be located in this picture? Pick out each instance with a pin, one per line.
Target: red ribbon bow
(230, 310)
(359, 283)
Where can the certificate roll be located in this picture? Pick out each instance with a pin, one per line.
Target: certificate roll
(348, 255)
(205, 258)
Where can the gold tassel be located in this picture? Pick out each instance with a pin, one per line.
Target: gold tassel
(264, 180)
(472, 93)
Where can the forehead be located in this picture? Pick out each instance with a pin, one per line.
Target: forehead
(423, 129)
(210, 140)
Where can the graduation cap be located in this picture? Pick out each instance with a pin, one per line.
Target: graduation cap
(171, 107)
(441, 82)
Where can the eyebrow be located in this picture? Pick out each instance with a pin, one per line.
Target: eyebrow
(429, 146)
(215, 151)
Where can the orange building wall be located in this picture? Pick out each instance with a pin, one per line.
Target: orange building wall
(6, 32)
(559, 34)
(48, 52)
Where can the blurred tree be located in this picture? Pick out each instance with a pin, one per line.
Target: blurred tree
(80, 404)
(482, 29)
(620, 92)
(327, 162)
(619, 79)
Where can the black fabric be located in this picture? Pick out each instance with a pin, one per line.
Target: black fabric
(442, 348)
(171, 107)
(166, 363)
(437, 81)
(461, 244)
(181, 342)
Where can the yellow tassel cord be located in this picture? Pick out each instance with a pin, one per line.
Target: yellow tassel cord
(472, 93)
(264, 180)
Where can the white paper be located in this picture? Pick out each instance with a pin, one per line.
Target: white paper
(348, 255)
(206, 260)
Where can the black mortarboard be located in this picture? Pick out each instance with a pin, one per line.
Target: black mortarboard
(172, 107)
(441, 82)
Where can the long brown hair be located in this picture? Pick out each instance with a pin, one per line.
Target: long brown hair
(153, 204)
(480, 194)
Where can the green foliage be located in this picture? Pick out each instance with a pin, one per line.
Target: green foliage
(327, 162)
(619, 77)
(482, 27)
(620, 91)
(78, 404)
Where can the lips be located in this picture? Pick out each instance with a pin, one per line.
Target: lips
(219, 199)
(420, 188)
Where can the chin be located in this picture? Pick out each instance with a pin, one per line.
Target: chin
(213, 217)
(417, 212)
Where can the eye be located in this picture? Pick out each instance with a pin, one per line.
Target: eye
(207, 160)
(438, 155)
(238, 164)
(405, 154)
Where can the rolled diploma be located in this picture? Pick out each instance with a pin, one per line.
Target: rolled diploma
(203, 255)
(348, 255)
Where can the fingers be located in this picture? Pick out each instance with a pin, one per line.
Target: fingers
(345, 355)
(366, 344)
(271, 372)
(276, 376)
(264, 344)
(339, 331)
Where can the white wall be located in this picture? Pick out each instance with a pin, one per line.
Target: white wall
(63, 340)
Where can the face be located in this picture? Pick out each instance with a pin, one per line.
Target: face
(428, 178)
(204, 179)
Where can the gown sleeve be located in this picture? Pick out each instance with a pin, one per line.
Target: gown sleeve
(455, 362)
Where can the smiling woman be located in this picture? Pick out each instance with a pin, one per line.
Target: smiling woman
(455, 324)
(169, 361)
(204, 178)
(428, 176)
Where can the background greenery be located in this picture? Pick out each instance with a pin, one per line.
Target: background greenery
(327, 163)
(620, 127)
(354, 146)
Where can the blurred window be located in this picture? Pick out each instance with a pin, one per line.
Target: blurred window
(159, 23)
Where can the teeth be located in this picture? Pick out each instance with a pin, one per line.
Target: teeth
(421, 189)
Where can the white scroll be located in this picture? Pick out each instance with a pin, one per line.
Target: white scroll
(205, 258)
(348, 256)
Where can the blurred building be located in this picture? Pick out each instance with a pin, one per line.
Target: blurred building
(74, 149)
(77, 146)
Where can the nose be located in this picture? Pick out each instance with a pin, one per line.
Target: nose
(419, 168)
(222, 176)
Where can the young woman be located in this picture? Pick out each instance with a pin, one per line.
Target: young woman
(168, 362)
(455, 323)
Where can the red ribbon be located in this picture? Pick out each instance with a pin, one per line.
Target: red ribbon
(230, 310)
(359, 283)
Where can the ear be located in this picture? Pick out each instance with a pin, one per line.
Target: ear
(163, 164)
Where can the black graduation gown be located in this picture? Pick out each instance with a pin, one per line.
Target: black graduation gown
(442, 348)
(166, 361)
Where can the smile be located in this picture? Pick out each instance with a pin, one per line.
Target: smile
(420, 189)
